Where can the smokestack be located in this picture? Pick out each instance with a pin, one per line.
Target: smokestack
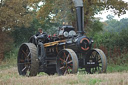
(80, 20)
(80, 16)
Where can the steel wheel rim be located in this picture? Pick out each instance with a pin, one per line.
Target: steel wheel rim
(100, 62)
(67, 62)
(24, 60)
(97, 58)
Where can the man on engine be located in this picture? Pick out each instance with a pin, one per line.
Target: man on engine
(42, 35)
(40, 32)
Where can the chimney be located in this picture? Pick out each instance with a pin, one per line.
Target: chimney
(79, 16)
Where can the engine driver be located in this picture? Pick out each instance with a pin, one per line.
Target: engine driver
(40, 32)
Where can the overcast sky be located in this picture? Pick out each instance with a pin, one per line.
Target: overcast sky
(106, 12)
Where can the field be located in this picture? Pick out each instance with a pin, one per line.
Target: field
(11, 77)
(116, 75)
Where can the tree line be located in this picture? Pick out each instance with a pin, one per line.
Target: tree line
(19, 19)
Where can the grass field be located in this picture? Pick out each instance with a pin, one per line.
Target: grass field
(116, 75)
(10, 77)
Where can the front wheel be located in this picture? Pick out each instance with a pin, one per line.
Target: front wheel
(96, 62)
(67, 62)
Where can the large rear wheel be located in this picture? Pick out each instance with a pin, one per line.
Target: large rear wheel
(67, 62)
(27, 60)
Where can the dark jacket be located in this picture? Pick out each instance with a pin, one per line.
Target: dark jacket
(38, 33)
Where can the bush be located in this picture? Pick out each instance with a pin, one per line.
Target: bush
(115, 44)
(111, 39)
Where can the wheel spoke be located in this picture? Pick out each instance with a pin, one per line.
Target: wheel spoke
(62, 59)
(24, 53)
(67, 57)
(93, 55)
(24, 68)
(65, 61)
(96, 56)
(99, 59)
(69, 62)
(62, 67)
(64, 55)
(65, 71)
(28, 54)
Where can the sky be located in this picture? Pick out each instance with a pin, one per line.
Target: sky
(107, 12)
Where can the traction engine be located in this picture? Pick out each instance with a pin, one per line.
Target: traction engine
(64, 53)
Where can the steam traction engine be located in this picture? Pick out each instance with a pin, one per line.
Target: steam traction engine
(64, 53)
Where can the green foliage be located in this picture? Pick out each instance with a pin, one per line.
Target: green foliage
(64, 10)
(117, 68)
(113, 25)
(22, 35)
(110, 39)
(14, 13)
(120, 60)
(50, 27)
(5, 42)
(95, 26)
(10, 60)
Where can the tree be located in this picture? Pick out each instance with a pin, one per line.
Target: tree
(64, 10)
(13, 14)
(115, 25)
(5, 42)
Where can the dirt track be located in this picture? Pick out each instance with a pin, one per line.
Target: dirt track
(11, 77)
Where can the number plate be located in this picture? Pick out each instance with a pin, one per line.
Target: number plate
(90, 62)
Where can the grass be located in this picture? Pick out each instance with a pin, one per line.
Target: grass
(8, 63)
(11, 77)
(94, 81)
(10, 59)
(117, 68)
(116, 75)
